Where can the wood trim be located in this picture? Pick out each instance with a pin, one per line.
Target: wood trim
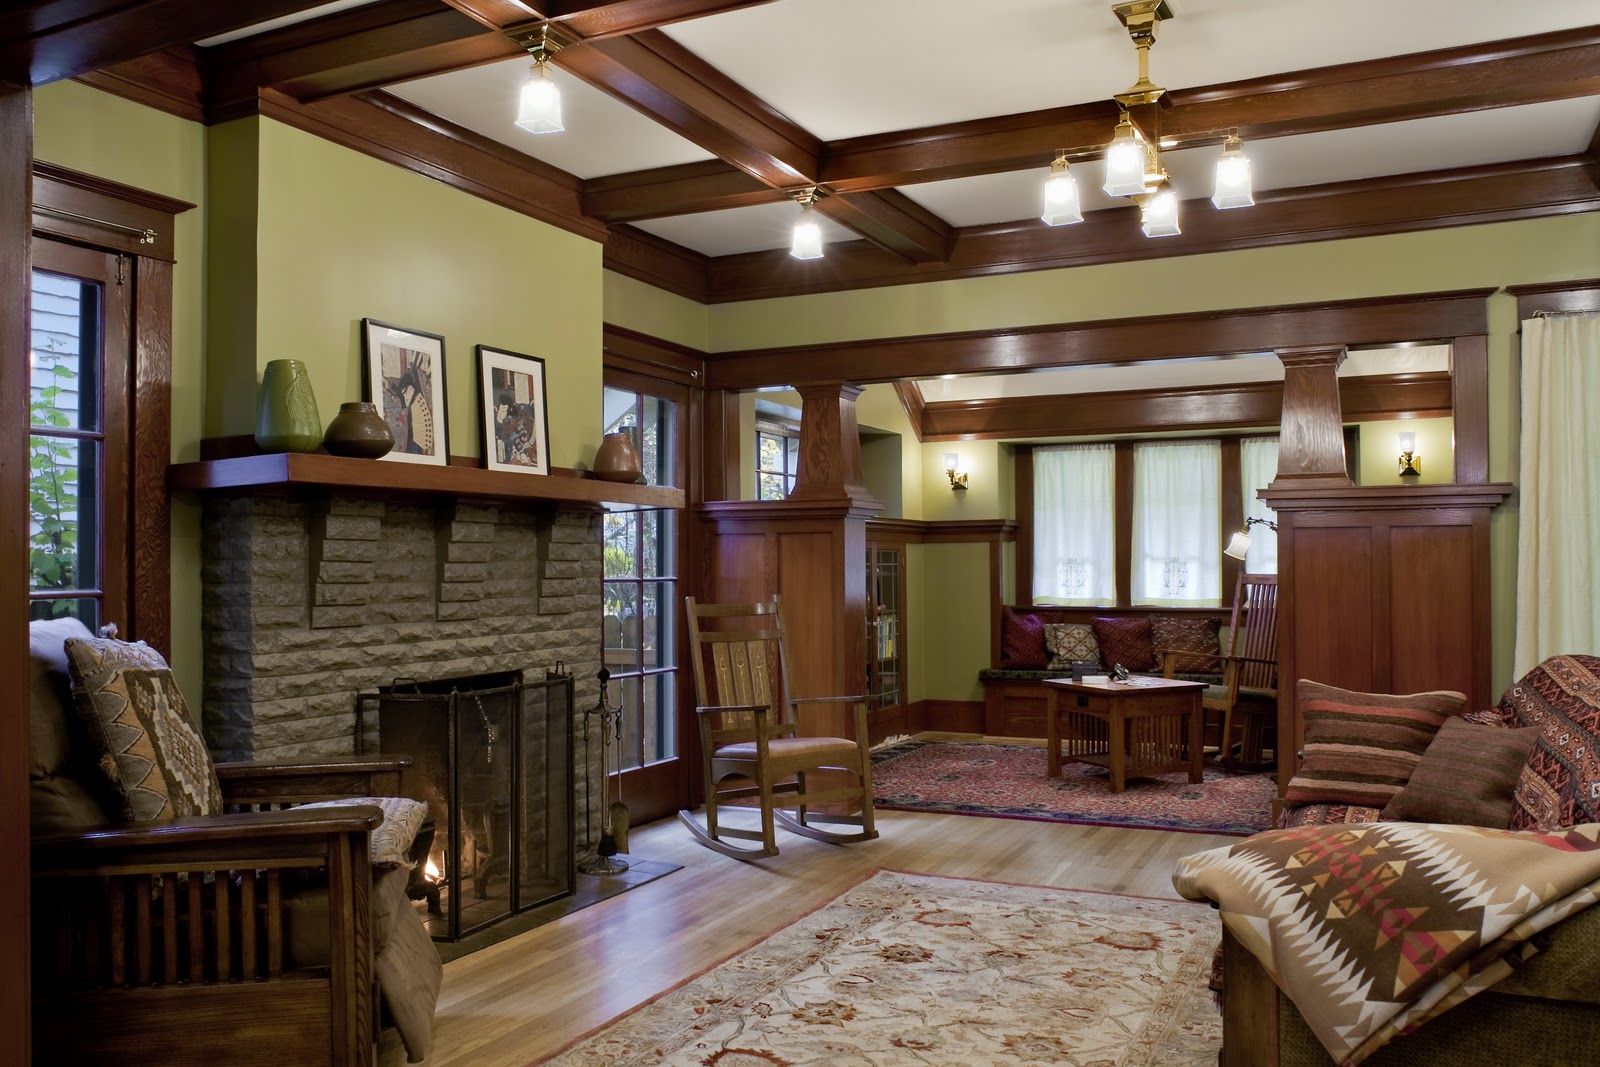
(120, 207)
(719, 465)
(1394, 204)
(598, 19)
(1124, 503)
(912, 401)
(656, 261)
(168, 80)
(1231, 511)
(16, 181)
(150, 452)
(1388, 498)
(953, 716)
(710, 185)
(388, 128)
(1421, 316)
(1022, 466)
(630, 350)
(893, 221)
(942, 531)
(1470, 407)
(1556, 297)
(1244, 405)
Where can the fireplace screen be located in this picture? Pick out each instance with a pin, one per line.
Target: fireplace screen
(491, 756)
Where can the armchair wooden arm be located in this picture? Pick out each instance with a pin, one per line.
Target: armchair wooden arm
(827, 700)
(264, 784)
(241, 836)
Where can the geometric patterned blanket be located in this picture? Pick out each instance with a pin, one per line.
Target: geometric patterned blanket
(1373, 929)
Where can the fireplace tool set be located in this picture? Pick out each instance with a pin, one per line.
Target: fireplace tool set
(614, 820)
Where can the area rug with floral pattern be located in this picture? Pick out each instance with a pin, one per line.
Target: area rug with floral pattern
(1008, 781)
(915, 969)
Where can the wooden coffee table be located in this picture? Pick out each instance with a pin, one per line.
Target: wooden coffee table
(1132, 729)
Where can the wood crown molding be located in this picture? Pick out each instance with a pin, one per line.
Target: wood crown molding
(86, 209)
(1388, 497)
(1375, 320)
(943, 531)
(1556, 297)
(640, 353)
(1238, 406)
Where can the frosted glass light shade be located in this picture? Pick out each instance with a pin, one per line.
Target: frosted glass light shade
(539, 109)
(807, 242)
(1061, 198)
(1408, 442)
(952, 461)
(1239, 547)
(1125, 157)
(1233, 179)
(1160, 215)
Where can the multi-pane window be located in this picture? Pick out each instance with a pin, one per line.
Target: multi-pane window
(641, 587)
(1177, 554)
(777, 460)
(77, 349)
(1075, 522)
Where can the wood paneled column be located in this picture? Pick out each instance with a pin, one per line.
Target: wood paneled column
(1311, 438)
(830, 446)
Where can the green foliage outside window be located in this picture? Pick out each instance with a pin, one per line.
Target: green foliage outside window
(52, 494)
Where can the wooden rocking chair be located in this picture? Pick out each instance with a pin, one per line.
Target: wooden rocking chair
(1250, 672)
(748, 733)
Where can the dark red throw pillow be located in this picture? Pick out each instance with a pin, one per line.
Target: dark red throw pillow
(1126, 641)
(1022, 641)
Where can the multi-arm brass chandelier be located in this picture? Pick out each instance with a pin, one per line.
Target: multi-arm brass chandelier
(1133, 158)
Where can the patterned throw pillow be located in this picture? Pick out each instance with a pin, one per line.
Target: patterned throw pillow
(1468, 776)
(141, 731)
(1561, 784)
(1022, 645)
(1361, 748)
(390, 844)
(1069, 643)
(1126, 641)
(1196, 636)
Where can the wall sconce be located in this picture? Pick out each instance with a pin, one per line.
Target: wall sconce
(1239, 546)
(1410, 462)
(952, 468)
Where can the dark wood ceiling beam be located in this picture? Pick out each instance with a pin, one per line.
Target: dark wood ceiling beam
(1377, 320)
(711, 185)
(48, 40)
(1397, 204)
(650, 259)
(893, 221)
(595, 20)
(1233, 406)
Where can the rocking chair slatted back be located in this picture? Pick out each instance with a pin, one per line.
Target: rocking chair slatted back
(742, 664)
(1257, 600)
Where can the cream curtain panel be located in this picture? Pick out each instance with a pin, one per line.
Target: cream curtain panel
(1075, 525)
(1177, 550)
(1258, 465)
(1558, 535)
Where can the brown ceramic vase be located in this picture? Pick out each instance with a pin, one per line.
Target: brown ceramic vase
(617, 459)
(358, 431)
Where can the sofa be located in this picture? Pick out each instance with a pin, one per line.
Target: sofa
(1545, 1012)
(1014, 700)
(276, 930)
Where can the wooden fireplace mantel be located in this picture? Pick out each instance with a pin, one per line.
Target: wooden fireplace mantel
(301, 471)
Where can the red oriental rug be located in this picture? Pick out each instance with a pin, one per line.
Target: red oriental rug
(1008, 782)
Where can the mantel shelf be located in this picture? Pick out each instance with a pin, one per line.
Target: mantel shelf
(291, 471)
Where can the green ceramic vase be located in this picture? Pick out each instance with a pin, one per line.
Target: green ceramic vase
(286, 414)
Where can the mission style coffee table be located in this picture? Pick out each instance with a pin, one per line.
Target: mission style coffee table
(1132, 729)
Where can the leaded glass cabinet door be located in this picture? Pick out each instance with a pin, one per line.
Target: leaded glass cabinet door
(885, 625)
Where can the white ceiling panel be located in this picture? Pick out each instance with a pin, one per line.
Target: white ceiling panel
(1537, 130)
(602, 136)
(740, 229)
(845, 68)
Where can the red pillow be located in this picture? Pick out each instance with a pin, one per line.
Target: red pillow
(1126, 641)
(1022, 641)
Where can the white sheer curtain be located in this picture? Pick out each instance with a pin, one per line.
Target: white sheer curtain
(1258, 465)
(1074, 524)
(1177, 551)
(1558, 534)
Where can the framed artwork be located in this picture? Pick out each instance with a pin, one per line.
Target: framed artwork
(402, 372)
(516, 418)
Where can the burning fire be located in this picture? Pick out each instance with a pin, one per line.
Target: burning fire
(430, 870)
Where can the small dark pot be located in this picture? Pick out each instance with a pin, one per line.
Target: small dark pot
(359, 431)
(618, 459)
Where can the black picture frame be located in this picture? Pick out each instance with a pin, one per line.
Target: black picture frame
(513, 410)
(393, 359)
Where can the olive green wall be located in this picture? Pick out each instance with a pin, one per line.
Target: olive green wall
(955, 620)
(87, 130)
(656, 312)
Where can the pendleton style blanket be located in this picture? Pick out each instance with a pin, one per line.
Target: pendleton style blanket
(1374, 929)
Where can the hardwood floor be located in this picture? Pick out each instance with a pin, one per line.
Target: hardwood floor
(527, 997)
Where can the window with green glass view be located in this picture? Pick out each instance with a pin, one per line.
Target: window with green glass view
(777, 462)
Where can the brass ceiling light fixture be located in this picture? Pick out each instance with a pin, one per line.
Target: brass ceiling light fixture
(807, 240)
(1133, 158)
(539, 108)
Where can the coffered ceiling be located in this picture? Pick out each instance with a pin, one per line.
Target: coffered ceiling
(927, 124)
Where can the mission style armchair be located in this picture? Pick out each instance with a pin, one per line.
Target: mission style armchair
(252, 937)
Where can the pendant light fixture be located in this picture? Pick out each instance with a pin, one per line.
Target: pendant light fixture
(539, 107)
(1233, 176)
(1158, 212)
(807, 240)
(1125, 161)
(1061, 195)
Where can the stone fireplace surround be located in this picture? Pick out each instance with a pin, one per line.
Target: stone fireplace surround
(312, 598)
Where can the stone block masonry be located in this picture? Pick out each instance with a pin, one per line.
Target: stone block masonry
(310, 601)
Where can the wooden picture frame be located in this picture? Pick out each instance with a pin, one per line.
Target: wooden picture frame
(514, 411)
(402, 372)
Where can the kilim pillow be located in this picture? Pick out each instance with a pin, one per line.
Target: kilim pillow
(1561, 784)
(390, 844)
(1194, 639)
(1069, 643)
(1125, 641)
(1022, 646)
(1467, 776)
(1361, 748)
(141, 732)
